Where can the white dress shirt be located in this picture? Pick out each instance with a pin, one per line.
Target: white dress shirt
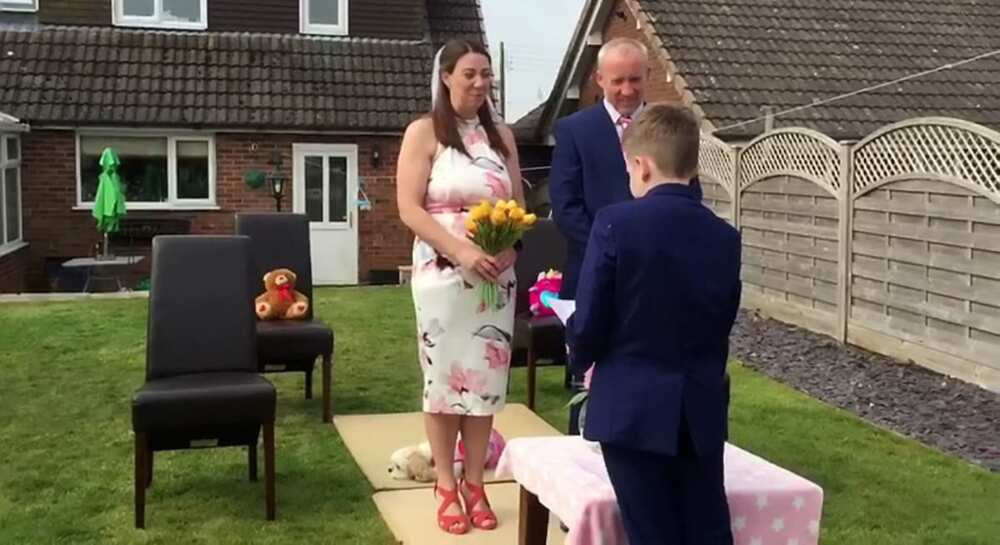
(616, 117)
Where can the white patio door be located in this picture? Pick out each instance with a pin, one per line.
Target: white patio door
(326, 189)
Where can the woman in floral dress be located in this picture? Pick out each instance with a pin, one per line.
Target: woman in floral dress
(449, 161)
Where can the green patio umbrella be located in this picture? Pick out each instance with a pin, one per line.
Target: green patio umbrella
(109, 202)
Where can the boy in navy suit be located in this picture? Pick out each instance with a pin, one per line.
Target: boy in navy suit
(657, 297)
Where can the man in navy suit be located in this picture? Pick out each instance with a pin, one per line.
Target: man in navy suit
(658, 293)
(588, 165)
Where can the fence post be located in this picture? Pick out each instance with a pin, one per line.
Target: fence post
(736, 187)
(844, 222)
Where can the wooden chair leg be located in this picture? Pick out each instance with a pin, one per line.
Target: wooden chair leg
(531, 378)
(150, 456)
(327, 379)
(533, 523)
(141, 448)
(269, 469)
(252, 461)
(309, 384)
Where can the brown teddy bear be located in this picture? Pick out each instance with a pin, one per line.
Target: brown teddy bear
(280, 300)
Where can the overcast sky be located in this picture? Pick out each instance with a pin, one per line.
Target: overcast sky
(535, 34)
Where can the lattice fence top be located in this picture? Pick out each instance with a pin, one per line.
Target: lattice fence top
(717, 160)
(935, 146)
(798, 152)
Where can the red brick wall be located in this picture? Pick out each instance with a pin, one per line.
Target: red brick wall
(658, 89)
(13, 267)
(48, 192)
(384, 241)
(54, 229)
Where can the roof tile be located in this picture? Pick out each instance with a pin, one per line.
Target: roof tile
(224, 79)
(738, 57)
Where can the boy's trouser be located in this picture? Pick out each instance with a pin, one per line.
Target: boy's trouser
(670, 500)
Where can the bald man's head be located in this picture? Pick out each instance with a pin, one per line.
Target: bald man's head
(622, 71)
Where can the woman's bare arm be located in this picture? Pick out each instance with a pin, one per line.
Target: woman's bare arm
(416, 155)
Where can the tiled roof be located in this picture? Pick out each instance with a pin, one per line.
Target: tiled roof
(450, 19)
(526, 127)
(737, 56)
(113, 76)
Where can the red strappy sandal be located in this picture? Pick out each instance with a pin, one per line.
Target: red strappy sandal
(453, 524)
(483, 519)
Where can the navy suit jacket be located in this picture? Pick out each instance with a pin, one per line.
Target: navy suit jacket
(658, 294)
(587, 174)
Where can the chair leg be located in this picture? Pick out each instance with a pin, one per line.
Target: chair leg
(269, 469)
(531, 378)
(141, 449)
(149, 467)
(252, 461)
(327, 379)
(309, 384)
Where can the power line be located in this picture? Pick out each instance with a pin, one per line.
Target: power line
(529, 58)
(864, 90)
(534, 52)
(532, 46)
(541, 60)
(516, 63)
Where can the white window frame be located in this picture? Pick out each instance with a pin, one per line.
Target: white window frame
(305, 27)
(156, 21)
(27, 6)
(173, 202)
(6, 163)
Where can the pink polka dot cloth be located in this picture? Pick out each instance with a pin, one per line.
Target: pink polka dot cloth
(769, 505)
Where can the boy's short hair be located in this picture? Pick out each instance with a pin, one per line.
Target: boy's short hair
(669, 134)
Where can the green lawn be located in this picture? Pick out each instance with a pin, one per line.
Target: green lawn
(66, 454)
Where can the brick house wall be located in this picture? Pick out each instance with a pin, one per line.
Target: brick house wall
(55, 230)
(12, 271)
(658, 89)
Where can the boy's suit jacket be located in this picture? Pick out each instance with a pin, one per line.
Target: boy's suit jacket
(658, 294)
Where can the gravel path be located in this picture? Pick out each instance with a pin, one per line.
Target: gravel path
(939, 411)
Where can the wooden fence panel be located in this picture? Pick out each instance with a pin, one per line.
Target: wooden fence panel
(893, 244)
(925, 246)
(717, 172)
(788, 203)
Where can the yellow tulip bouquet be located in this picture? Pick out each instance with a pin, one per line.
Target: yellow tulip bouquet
(495, 228)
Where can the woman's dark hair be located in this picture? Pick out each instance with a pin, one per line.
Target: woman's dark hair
(444, 115)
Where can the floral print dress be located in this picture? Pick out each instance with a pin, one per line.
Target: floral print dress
(464, 348)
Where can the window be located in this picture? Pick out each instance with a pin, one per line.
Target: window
(323, 17)
(10, 192)
(184, 14)
(18, 5)
(156, 171)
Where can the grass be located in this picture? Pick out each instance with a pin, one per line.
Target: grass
(69, 370)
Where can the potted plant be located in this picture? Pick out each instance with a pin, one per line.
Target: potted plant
(254, 178)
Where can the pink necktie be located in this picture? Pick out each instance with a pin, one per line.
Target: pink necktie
(623, 122)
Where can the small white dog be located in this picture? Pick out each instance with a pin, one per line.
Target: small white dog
(416, 463)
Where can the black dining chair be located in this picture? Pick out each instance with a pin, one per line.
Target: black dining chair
(538, 340)
(202, 387)
(281, 240)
